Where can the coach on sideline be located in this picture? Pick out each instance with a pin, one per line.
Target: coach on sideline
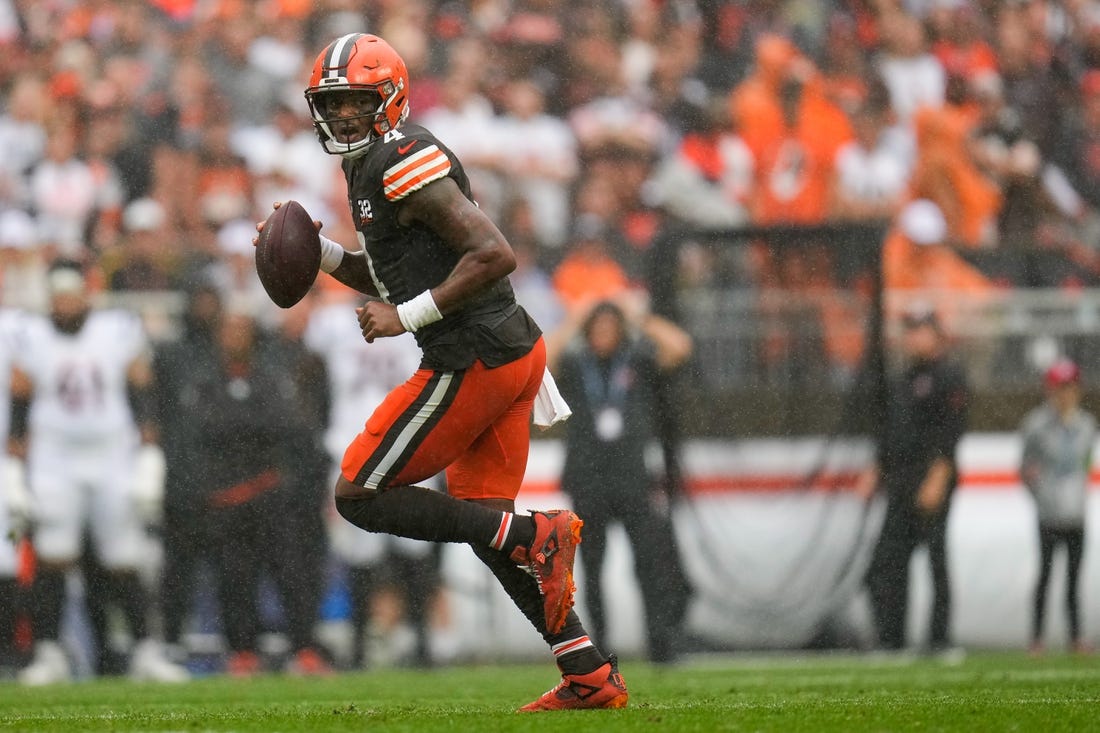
(917, 470)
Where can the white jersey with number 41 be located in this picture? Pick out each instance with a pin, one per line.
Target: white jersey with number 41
(80, 379)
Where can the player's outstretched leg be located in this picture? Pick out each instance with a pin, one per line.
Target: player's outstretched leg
(545, 541)
(578, 659)
(550, 556)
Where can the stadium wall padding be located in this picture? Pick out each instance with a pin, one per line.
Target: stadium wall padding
(777, 560)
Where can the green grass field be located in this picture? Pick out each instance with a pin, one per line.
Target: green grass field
(987, 692)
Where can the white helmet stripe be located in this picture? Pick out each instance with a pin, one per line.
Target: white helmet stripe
(340, 55)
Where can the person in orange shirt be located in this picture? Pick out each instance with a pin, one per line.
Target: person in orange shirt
(916, 256)
(589, 272)
(959, 45)
(786, 119)
(947, 174)
(223, 186)
(795, 169)
(794, 138)
(755, 103)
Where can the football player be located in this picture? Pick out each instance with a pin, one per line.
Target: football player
(436, 266)
(83, 375)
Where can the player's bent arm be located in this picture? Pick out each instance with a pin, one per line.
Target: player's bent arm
(22, 389)
(674, 345)
(139, 387)
(354, 272)
(147, 485)
(558, 340)
(1029, 460)
(486, 254)
(933, 490)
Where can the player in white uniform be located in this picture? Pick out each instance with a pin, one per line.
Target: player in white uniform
(85, 373)
(14, 499)
(360, 377)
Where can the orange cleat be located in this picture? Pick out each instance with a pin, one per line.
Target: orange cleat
(243, 664)
(309, 663)
(602, 688)
(550, 559)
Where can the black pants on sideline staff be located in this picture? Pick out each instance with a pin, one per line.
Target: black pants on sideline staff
(904, 529)
(1074, 541)
(186, 540)
(252, 539)
(657, 566)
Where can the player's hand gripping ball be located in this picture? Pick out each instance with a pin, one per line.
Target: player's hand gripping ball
(288, 254)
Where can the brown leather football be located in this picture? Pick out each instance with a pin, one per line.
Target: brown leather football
(288, 254)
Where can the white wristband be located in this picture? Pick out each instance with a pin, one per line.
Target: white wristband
(332, 254)
(418, 312)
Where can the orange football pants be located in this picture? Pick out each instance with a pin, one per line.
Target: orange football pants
(473, 423)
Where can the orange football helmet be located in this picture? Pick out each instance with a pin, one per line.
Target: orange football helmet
(365, 67)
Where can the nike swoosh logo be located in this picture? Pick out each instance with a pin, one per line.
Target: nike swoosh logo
(402, 149)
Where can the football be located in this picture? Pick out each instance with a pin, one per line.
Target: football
(288, 254)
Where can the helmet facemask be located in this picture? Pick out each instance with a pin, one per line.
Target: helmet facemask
(340, 111)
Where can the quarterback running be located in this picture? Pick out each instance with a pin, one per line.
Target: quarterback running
(432, 263)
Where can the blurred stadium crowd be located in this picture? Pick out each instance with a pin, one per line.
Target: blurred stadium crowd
(145, 139)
